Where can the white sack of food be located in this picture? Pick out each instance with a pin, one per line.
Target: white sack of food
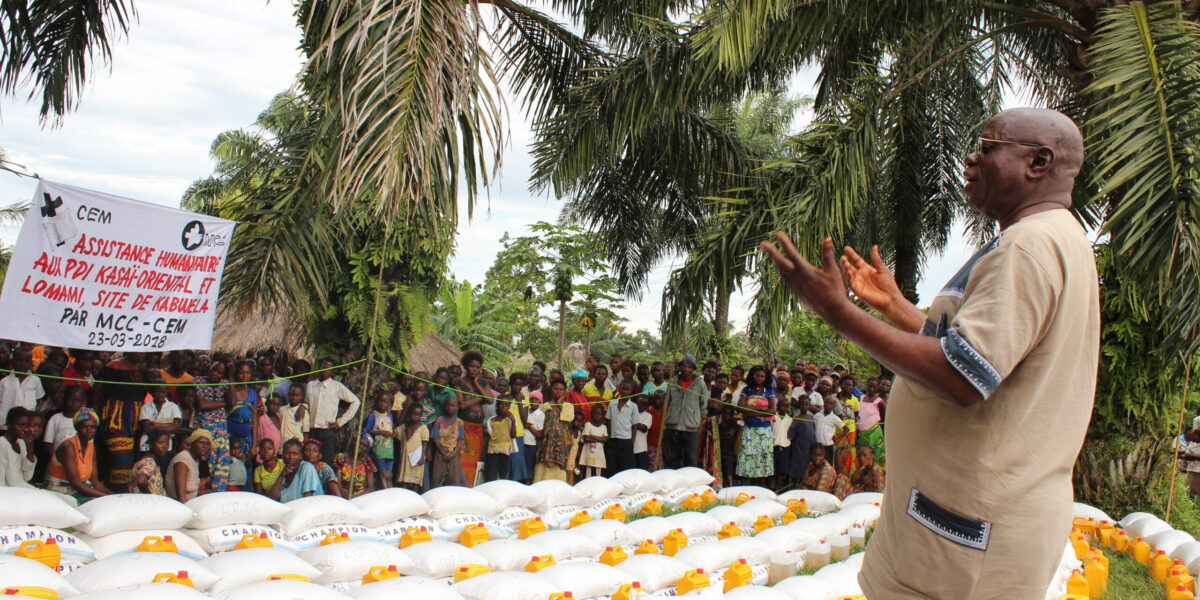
(311, 538)
(227, 537)
(654, 571)
(787, 538)
(1089, 512)
(230, 508)
(838, 522)
(316, 511)
(819, 503)
(390, 533)
(694, 524)
(635, 481)
(454, 524)
(133, 512)
(451, 499)
(252, 565)
(349, 561)
(650, 528)
(808, 587)
(128, 541)
(755, 592)
(731, 514)
(1146, 528)
(415, 587)
(598, 489)
(586, 579)
(441, 559)
(1185, 552)
(69, 544)
(509, 585)
(1168, 541)
(607, 532)
(16, 571)
(282, 590)
(815, 527)
(732, 493)
(695, 476)
(860, 515)
(668, 481)
(862, 498)
(566, 544)
(559, 517)
(513, 516)
(146, 591)
(760, 506)
(511, 493)
(511, 554)
(553, 492)
(754, 550)
(31, 506)
(1133, 517)
(710, 556)
(392, 504)
(135, 568)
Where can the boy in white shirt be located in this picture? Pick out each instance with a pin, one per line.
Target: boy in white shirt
(21, 388)
(159, 414)
(641, 429)
(828, 425)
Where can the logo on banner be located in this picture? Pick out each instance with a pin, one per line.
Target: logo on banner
(193, 235)
(56, 221)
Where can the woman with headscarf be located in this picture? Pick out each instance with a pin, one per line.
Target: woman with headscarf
(147, 474)
(757, 403)
(120, 408)
(183, 474)
(73, 466)
(212, 415)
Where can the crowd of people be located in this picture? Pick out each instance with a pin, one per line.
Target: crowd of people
(185, 423)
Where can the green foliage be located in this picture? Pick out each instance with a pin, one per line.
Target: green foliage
(471, 320)
(1128, 578)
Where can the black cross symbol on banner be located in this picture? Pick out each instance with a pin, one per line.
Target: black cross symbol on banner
(50, 206)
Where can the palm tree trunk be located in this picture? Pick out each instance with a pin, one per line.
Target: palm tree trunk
(562, 330)
(721, 314)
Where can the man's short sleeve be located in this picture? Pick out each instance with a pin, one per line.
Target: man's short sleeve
(1006, 310)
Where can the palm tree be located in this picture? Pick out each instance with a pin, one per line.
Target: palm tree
(470, 320)
(904, 87)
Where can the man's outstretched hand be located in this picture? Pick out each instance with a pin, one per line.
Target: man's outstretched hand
(821, 290)
(875, 285)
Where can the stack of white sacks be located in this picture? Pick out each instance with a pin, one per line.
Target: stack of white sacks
(242, 546)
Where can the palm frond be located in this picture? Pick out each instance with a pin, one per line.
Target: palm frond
(1142, 128)
(52, 45)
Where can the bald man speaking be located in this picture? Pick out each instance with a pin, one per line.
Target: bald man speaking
(995, 384)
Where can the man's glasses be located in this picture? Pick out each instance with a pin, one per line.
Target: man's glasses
(979, 147)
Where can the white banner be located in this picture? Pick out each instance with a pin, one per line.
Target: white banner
(93, 270)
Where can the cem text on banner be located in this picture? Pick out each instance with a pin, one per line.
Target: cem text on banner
(93, 270)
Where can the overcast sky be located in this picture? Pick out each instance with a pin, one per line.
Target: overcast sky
(191, 70)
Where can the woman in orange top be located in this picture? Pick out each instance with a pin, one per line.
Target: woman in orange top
(73, 469)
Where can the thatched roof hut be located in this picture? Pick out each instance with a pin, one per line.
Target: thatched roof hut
(254, 331)
(432, 352)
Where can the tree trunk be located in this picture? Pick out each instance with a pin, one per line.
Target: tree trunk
(907, 262)
(721, 314)
(562, 330)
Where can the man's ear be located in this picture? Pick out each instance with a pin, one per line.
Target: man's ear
(1043, 162)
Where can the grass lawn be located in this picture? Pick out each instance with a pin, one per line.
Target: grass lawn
(1130, 580)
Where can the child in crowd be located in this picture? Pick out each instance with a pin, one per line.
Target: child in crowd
(268, 420)
(780, 431)
(501, 429)
(449, 436)
(641, 431)
(187, 410)
(413, 437)
(575, 433)
(822, 477)
(37, 429)
(356, 479)
(379, 426)
(594, 436)
(730, 431)
(266, 474)
(62, 425)
(160, 414)
(868, 477)
(293, 418)
(237, 466)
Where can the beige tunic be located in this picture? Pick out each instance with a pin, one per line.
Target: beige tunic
(1021, 321)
